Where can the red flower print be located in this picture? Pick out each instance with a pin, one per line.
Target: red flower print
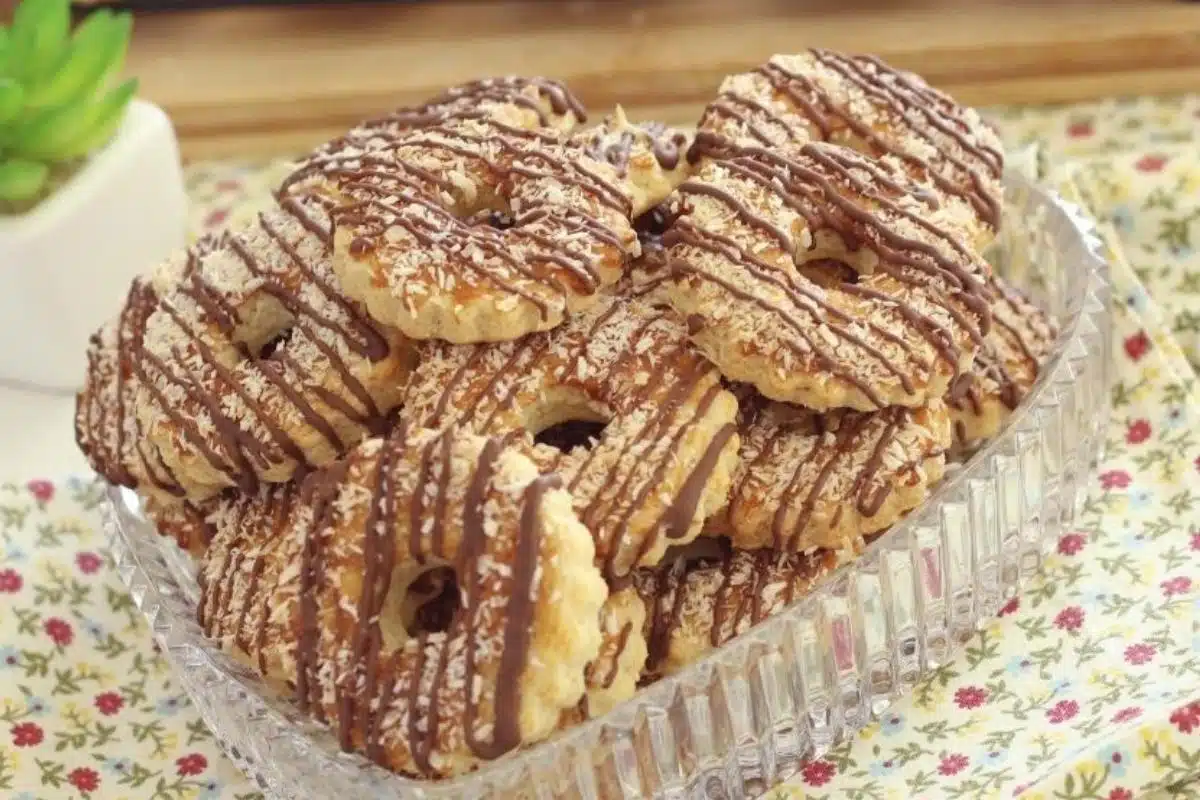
(1196, 463)
(970, 697)
(1137, 432)
(1062, 711)
(84, 779)
(59, 630)
(1010, 607)
(27, 734)
(193, 764)
(1120, 793)
(88, 563)
(1069, 619)
(1186, 718)
(953, 764)
(109, 703)
(818, 773)
(10, 581)
(1177, 585)
(216, 218)
(1071, 544)
(1126, 714)
(1115, 479)
(1080, 130)
(42, 491)
(1151, 163)
(1140, 653)
(1137, 345)
(1196, 541)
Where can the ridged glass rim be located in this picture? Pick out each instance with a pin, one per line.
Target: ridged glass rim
(565, 746)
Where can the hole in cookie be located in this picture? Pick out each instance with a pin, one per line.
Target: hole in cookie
(828, 272)
(434, 600)
(566, 436)
(275, 344)
(490, 218)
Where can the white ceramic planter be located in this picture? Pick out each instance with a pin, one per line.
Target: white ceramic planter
(65, 266)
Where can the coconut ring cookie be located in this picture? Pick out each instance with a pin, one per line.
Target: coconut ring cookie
(517, 101)
(861, 102)
(107, 428)
(254, 366)
(477, 230)
(310, 593)
(662, 461)
(809, 481)
(752, 247)
(1004, 371)
(696, 604)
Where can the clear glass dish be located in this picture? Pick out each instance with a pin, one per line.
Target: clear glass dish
(751, 713)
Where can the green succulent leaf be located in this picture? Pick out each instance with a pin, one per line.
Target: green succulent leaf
(101, 124)
(21, 180)
(39, 33)
(12, 100)
(96, 53)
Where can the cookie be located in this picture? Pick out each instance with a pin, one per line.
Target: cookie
(809, 481)
(1005, 369)
(664, 441)
(695, 605)
(308, 585)
(824, 278)
(253, 364)
(861, 102)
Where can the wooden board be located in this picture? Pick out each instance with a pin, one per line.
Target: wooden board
(272, 80)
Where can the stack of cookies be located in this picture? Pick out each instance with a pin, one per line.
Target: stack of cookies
(493, 417)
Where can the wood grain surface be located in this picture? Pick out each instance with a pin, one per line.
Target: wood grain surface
(272, 80)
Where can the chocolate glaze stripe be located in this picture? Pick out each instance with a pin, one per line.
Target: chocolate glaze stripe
(806, 95)
(241, 449)
(907, 96)
(823, 358)
(377, 217)
(816, 187)
(567, 171)
(726, 105)
(787, 541)
(813, 209)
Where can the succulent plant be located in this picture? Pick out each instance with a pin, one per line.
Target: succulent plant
(57, 102)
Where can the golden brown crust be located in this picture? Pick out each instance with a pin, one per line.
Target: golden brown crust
(759, 247)
(663, 461)
(308, 585)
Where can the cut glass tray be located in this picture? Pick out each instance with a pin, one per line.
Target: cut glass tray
(751, 713)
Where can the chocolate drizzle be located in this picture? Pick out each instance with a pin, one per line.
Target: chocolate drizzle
(1008, 363)
(402, 704)
(906, 104)
(277, 398)
(701, 603)
(556, 246)
(813, 181)
(812, 469)
(492, 389)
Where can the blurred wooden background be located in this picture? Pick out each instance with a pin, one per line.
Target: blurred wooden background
(271, 80)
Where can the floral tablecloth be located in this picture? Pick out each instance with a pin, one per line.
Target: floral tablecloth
(1087, 686)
